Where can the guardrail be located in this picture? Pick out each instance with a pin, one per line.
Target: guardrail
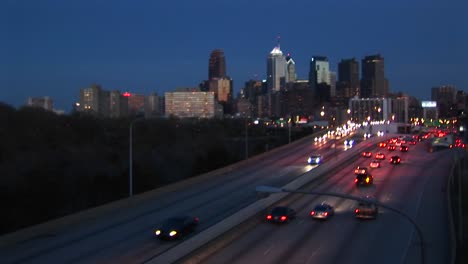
(191, 244)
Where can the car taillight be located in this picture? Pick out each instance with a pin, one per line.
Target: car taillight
(355, 180)
(325, 214)
(269, 217)
(283, 218)
(356, 211)
(312, 213)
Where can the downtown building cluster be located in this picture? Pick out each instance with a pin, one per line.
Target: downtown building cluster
(357, 92)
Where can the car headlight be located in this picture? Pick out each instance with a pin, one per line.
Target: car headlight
(173, 233)
(158, 232)
(317, 160)
(309, 160)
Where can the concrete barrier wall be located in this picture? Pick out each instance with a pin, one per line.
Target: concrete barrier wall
(195, 242)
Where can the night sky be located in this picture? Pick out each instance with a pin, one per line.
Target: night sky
(55, 47)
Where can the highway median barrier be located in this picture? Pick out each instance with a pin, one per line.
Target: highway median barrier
(193, 243)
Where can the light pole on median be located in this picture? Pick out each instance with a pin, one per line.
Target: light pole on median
(263, 191)
(130, 157)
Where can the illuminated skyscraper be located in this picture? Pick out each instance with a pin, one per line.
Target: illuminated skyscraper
(290, 69)
(319, 78)
(276, 70)
(216, 65)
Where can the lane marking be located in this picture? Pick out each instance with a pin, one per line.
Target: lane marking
(313, 254)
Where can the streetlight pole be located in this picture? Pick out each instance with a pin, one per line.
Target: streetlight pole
(263, 191)
(246, 139)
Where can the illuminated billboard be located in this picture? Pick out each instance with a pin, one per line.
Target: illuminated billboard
(427, 104)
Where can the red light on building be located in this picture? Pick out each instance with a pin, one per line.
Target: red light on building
(127, 94)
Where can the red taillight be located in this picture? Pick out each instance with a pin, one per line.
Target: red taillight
(325, 214)
(312, 213)
(269, 217)
(356, 211)
(283, 218)
(355, 180)
(398, 160)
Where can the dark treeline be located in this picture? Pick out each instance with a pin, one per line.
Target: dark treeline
(53, 165)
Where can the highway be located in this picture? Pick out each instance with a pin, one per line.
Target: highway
(125, 235)
(417, 187)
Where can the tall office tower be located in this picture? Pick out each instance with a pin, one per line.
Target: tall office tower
(373, 83)
(290, 69)
(348, 78)
(445, 97)
(153, 105)
(319, 77)
(276, 70)
(216, 64)
(41, 102)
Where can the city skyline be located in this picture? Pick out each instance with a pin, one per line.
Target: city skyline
(54, 49)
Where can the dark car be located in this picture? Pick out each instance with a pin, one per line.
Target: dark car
(176, 227)
(404, 148)
(366, 154)
(395, 160)
(322, 211)
(315, 160)
(281, 214)
(391, 147)
(366, 209)
(364, 179)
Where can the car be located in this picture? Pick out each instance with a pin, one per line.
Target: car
(176, 227)
(366, 209)
(281, 214)
(363, 179)
(398, 143)
(391, 147)
(375, 164)
(366, 154)
(315, 160)
(404, 148)
(395, 160)
(322, 211)
(380, 156)
(360, 170)
(383, 144)
(412, 142)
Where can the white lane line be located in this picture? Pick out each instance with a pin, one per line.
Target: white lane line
(313, 254)
(418, 206)
(268, 250)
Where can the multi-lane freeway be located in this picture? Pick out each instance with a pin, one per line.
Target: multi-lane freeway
(417, 187)
(125, 234)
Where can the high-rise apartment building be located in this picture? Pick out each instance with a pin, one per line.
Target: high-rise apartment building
(95, 100)
(276, 70)
(216, 64)
(348, 78)
(44, 102)
(118, 104)
(191, 102)
(136, 103)
(373, 82)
